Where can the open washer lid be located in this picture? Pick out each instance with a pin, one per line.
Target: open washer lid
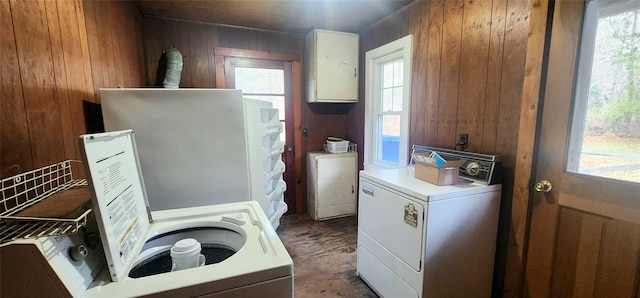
(118, 195)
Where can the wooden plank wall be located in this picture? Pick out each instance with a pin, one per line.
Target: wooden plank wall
(196, 42)
(114, 30)
(54, 56)
(468, 69)
(467, 77)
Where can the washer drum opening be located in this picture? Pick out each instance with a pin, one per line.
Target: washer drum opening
(218, 244)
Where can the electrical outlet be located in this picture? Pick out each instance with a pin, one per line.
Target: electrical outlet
(463, 142)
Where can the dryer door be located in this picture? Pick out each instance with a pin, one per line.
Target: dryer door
(393, 220)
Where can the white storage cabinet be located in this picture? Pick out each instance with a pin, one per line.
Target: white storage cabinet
(331, 184)
(332, 66)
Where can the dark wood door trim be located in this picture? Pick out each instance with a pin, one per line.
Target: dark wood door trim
(523, 171)
(556, 95)
(242, 53)
(291, 61)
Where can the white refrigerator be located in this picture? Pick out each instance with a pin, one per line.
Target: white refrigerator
(202, 147)
(331, 185)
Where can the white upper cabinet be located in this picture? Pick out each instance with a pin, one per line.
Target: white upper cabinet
(332, 66)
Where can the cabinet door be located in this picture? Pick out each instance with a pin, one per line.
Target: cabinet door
(336, 186)
(336, 66)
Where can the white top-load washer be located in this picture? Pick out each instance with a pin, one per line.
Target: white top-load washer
(243, 256)
(260, 266)
(137, 242)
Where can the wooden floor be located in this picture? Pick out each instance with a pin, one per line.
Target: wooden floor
(324, 256)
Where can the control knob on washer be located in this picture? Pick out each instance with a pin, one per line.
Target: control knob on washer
(473, 168)
(78, 253)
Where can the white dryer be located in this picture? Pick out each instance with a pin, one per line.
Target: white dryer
(417, 239)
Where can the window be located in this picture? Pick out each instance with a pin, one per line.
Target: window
(265, 84)
(387, 101)
(605, 134)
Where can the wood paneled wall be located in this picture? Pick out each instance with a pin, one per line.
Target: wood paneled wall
(114, 31)
(467, 77)
(196, 42)
(468, 70)
(55, 54)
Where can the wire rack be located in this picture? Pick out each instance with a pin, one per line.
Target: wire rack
(22, 191)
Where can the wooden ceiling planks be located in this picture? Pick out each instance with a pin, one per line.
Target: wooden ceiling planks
(294, 16)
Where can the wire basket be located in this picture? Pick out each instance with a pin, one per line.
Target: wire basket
(337, 146)
(22, 191)
(340, 147)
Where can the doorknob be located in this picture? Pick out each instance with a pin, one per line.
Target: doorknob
(289, 148)
(543, 186)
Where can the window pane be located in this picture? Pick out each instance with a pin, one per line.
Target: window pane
(389, 138)
(392, 73)
(397, 99)
(387, 75)
(387, 100)
(392, 77)
(611, 140)
(392, 99)
(397, 73)
(260, 80)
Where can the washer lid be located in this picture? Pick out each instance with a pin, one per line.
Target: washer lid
(118, 195)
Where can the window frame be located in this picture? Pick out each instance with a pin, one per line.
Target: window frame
(398, 49)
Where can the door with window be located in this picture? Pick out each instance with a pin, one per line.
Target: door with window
(584, 235)
(267, 78)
